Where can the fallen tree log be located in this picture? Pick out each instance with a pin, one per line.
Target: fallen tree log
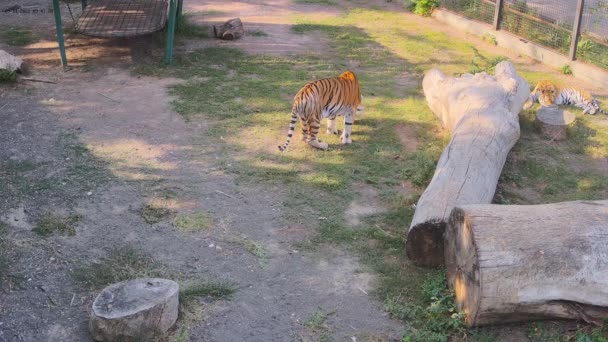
(482, 113)
(230, 30)
(511, 263)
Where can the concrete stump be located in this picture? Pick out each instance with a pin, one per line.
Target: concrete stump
(553, 122)
(9, 62)
(139, 309)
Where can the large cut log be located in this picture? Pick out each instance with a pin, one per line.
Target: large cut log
(511, 263)
(230, 30)
(482, 113)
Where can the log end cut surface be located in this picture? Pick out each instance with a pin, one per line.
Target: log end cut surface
(462, 265)
(424, 245)
(128, 298)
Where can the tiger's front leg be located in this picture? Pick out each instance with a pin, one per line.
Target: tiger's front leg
(331, 126)
(346, 138)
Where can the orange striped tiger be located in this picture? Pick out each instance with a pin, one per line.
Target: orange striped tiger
(325, 98)
(548, 94)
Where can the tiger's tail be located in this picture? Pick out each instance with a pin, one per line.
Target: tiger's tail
(292, 127)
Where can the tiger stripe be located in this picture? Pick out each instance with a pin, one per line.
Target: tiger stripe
(548, 93)
(325, 98)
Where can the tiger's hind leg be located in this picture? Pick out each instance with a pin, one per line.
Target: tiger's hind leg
(331, 126)
(305, 129)
(314, 131)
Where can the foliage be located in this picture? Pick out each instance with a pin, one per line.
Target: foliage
(424, 7)
(584, 46)
(435, 318)
(490, 38)
(7, 76)
(566, 70)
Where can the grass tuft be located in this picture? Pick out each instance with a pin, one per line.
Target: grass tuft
(121, 264)
(191, 222)
(7, 76)
(199, 288)
(51, 224)
(16, 36)
(187, 29)
(152, 213)
(257, 33)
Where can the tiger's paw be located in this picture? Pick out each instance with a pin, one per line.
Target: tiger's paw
(346, 139)
(318, 144)
(528, 105)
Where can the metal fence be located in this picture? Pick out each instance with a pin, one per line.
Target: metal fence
(577, 28)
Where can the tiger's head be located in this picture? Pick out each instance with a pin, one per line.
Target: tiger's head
(547, 92)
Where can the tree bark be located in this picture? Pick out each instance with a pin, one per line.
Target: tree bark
(514, 263)
(482, 113)
(230, 30)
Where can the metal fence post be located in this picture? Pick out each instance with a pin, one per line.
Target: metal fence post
(170, 31)
(576, 30)
(498, 14)
(59, 27)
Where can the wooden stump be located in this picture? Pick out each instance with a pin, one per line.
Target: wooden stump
(230, 30)
(482, 112)
(140, 309)
(511, 263)
(553, 122)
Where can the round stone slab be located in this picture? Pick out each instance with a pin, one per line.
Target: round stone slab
(139, 309)
(553, 122)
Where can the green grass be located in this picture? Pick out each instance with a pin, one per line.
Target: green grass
(187, 29)
(152, 213)
(51, 224)
(7, 76)
(255, 248)
(121, 263)
(191, 222)
(245, 102)
(198, 288)
(16, 36)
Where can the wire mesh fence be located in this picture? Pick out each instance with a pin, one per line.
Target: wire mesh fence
(482, 10)
(550, 26)
(547, 22)
(593, 42)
